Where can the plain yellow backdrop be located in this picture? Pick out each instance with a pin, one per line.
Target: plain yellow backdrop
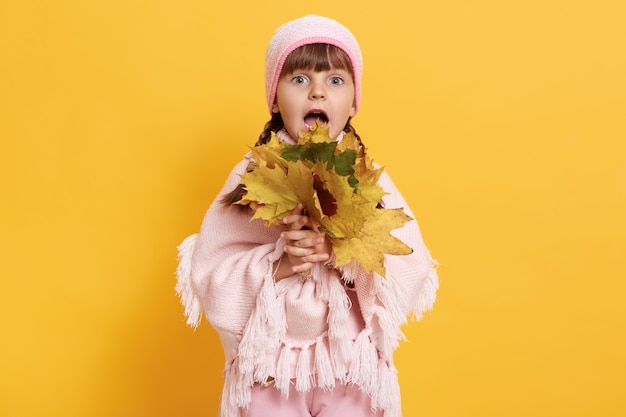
(503, 122)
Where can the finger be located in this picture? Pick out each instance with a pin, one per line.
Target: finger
(308, 262)
(299, 251)
(313, 259)
(299, 223)
(298, 210)
(296, 221)
(303, 255)
(318, 257)
(310, 237)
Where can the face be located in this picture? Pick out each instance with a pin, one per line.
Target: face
(305, 96)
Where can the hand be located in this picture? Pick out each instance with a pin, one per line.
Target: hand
(305, 245)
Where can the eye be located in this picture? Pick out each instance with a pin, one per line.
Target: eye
(335, 80)
(299, 79)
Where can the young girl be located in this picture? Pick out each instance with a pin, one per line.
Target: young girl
(302, 338)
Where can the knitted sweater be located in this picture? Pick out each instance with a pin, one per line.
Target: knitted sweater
(302, 333)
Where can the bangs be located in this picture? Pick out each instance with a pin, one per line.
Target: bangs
(317, 57)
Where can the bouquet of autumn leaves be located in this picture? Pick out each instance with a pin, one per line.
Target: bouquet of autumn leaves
(336, 183)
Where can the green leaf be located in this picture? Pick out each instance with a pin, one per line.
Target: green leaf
(323, 151)
(344, 163)
(294, 153)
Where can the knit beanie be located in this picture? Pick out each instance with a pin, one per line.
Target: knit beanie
(308, 30)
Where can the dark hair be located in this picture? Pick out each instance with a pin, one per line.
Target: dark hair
(318, 57)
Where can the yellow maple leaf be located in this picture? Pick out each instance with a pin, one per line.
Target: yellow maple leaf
(318, 133)
(344, 206)
(300, 178)
(269, 189)
(373, 241)
(270, 152)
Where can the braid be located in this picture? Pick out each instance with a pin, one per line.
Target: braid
(274, 125)
(349, 128)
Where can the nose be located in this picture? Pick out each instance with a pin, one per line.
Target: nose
(317, 92)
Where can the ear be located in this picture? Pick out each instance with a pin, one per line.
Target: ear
(275, 108)
(353, 110)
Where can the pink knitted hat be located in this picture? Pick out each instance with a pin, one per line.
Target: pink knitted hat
(305, 31)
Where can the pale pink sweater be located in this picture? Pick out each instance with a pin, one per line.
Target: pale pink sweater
(305, 333)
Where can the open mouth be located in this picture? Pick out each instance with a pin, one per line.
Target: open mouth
(315, 116)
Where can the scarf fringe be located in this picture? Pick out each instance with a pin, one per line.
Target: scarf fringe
(340, 346)
(283, 369)
(263, 333)
(236, 393)
(366, 362)
(188, 298)
(427, 296)
(387, 396)
(390, 318)
(350, 271)
(363, 369)
(304, 377)
(323, 368)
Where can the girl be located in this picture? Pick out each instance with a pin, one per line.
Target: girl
(302, 338)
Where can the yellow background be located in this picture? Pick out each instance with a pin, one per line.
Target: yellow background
(503, 122)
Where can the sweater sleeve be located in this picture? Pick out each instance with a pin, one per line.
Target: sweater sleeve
(231, 258)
